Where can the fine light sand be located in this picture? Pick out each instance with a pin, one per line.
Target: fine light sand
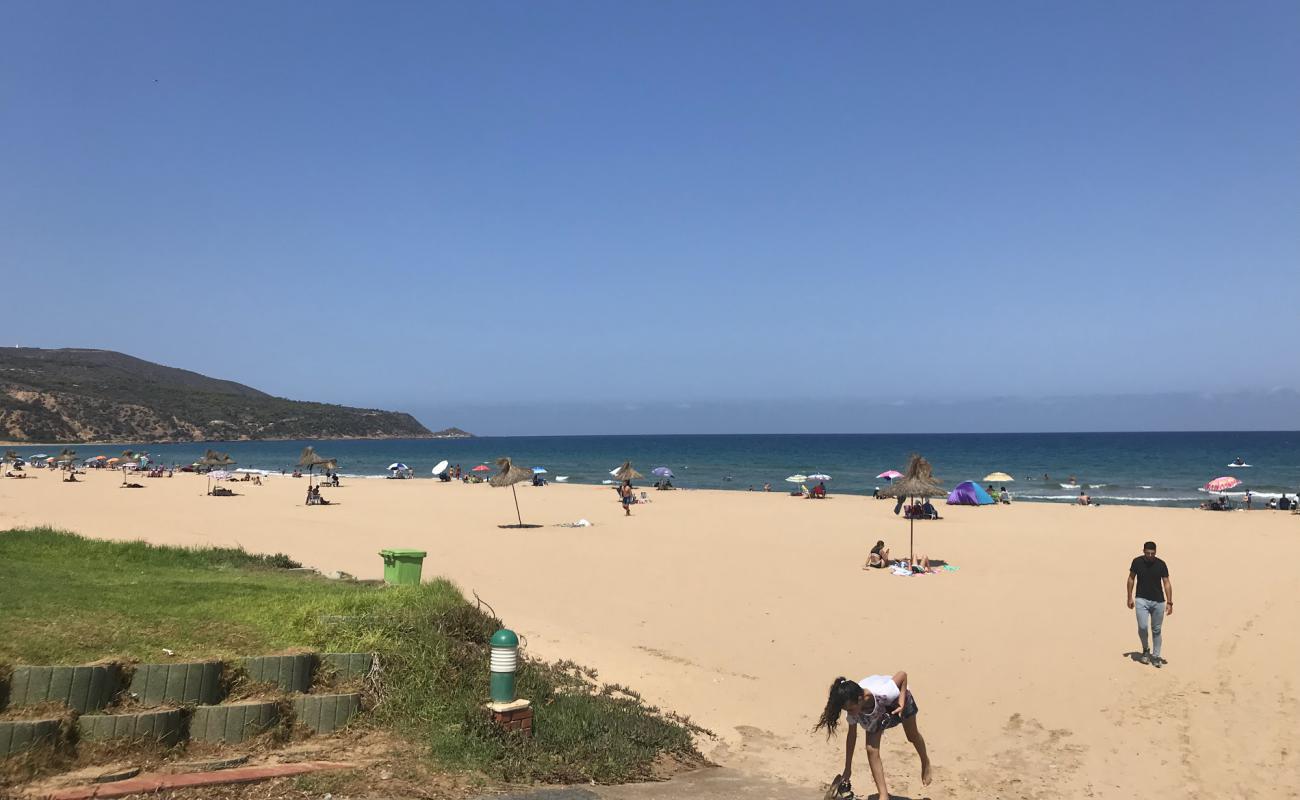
(738, 610)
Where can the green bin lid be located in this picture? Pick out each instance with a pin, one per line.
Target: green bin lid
(397, 553)
(505, 638)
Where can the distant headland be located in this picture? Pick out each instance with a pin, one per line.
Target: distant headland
(81, 395)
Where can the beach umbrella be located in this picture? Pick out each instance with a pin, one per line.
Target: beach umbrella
(662, 472)
(509, 475)
(441, 467)
(917, 482)
(797, 478)
(998, 477)
(211, 459)
(890, 474)
(481, 468)
(539, 470)
(66, 457)
(1222, 484)
(818, 476)
(219, 474)
(626, 472)
(311, 460)
(398, 465)
(39, 455)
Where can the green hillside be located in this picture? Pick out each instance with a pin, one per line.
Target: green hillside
(75, 395)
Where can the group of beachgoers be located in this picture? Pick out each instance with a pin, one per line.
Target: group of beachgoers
(880, 702)
(1279, 503)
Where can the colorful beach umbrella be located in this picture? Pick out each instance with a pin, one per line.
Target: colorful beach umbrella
(999, 477)
(1222, 484)
(797, 478)
(890, 474)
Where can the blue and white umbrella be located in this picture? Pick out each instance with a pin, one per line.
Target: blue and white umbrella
(662, 472)
(539, 470)
(398, 466)
(819, 477)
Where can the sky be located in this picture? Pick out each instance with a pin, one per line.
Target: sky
(591, 217)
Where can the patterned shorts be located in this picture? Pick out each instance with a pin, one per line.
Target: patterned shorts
(909, 711)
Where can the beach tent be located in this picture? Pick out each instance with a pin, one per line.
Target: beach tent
(969, 493)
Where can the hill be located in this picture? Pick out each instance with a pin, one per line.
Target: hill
(75, 395)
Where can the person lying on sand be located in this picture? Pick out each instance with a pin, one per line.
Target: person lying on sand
(877, 703)
(879, 557)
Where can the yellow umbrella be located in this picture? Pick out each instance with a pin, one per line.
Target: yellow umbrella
(999, 477)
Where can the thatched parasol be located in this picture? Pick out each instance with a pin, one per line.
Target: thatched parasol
(214, 459)
(626, 473)
(509, 476)
(311, 459)
(11, 457)
(918, 481)
(66, 457)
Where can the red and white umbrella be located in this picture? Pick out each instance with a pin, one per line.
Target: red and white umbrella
(890, 474)
(1222, 484)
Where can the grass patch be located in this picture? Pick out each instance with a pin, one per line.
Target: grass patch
(68, 599)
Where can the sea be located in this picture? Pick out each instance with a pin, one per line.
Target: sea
(1161, 469)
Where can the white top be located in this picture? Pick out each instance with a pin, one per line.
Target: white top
(885, 692)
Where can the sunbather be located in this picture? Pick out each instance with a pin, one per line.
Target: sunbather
(879, 556)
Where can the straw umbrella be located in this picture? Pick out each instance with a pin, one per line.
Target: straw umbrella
(917, 482)
(311, 459)
(626, 473)
(213, 459)
(509, 476)
(11, 457)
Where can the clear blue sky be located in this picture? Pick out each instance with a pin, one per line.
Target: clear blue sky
(436, 207)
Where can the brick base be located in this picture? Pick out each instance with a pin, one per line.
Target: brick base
(516, 716)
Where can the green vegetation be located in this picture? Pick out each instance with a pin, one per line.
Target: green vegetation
(97, 395)
(67, 599)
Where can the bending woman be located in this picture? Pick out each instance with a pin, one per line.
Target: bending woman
(877, 703)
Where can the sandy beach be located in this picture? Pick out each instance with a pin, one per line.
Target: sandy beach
(738, 609)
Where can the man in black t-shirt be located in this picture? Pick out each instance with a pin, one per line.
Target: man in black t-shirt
(1155, 598)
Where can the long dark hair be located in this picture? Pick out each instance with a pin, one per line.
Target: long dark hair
(842, 691)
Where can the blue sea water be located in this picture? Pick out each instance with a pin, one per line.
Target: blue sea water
(1129, 468)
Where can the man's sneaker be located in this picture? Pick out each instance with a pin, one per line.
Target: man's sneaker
(1157, 662)
(1145, 658)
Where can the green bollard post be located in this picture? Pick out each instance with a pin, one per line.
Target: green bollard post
(504, 661)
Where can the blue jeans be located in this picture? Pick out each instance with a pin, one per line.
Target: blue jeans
(1152, 611)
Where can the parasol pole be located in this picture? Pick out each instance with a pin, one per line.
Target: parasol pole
(518, 516)
(911, 538)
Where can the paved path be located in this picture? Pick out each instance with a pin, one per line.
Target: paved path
(705, 784)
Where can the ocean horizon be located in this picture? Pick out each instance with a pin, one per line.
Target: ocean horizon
(1132, 468)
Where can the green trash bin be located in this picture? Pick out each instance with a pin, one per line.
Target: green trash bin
(402, 567)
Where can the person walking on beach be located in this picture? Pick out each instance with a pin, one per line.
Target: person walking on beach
(1155, 599)
(877, 703)
(625, 494)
